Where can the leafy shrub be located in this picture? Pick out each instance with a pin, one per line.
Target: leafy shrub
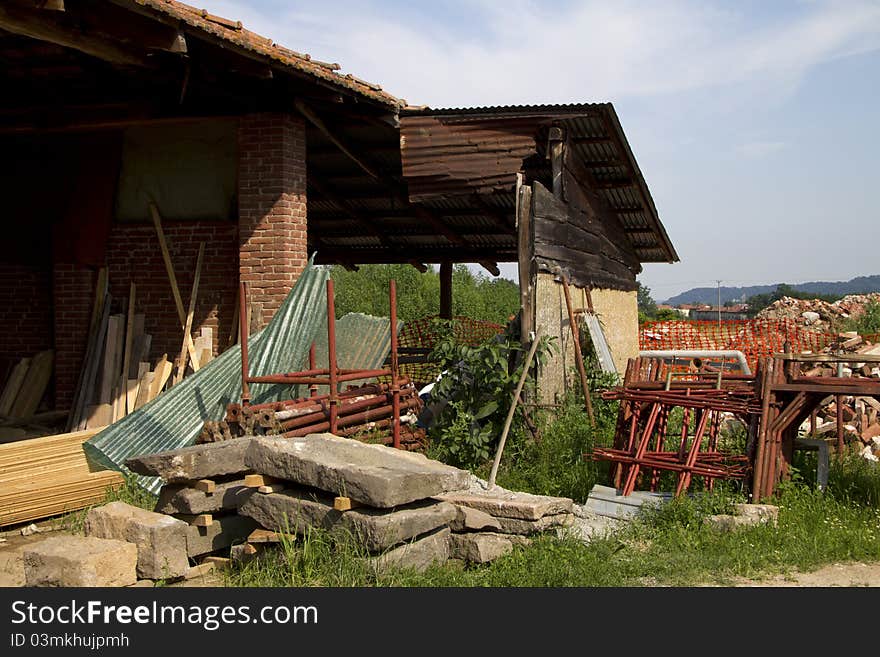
(477, 384)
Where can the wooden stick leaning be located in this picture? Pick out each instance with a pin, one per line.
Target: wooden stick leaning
(181, 364)
(516, 396)
(178, 302)
(579, 357)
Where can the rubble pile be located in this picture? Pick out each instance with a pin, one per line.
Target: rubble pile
(861, 414)
(816, 314)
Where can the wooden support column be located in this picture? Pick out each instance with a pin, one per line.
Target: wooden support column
(525, 253)
(556, 152)
(446, 289)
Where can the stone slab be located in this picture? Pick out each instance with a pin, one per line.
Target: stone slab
(418, 555)
(374, 475)
(759, 513)
(181, 498)
(80, 561)
(160, 539)
(195, 462)
(482, 547)
(528, 527)
(501, 503)
(606, 501)
(468, 519)
(221, 534)
(296, 510)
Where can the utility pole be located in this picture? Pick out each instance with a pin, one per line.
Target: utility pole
(719, 303)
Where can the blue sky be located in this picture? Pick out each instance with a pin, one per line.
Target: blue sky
(755, 123)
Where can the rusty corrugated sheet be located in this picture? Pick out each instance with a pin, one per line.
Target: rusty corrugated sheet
(174, 418)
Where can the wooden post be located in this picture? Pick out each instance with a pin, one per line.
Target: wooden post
(446, 289)
(509, 419)
(556, 151)
(525, 250)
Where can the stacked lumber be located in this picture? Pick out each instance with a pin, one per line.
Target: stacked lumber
(48, 476)
(26, 385)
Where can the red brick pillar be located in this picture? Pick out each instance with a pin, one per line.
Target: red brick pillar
(271, 207)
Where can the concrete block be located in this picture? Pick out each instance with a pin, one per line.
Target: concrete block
(181, 498)
(160, 539)
(528, 527)
(501, 503)
(195, 462)
(482, 547)
(376, 529)
(418, 554)
(605, 501)
(374, 475)
(80, 561)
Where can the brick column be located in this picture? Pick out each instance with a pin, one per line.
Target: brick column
(271, 207)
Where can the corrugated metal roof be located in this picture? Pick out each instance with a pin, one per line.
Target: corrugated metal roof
(174, 418)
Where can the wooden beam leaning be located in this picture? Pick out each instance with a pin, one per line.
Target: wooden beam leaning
(37, 25)
(178, 302)
(187, 329)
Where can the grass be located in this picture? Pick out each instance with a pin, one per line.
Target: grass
(667, 546)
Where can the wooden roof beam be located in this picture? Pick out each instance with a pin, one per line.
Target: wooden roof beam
(399, 194)
(353, 214)
(366, 255)
(36, 25)
(491, 267)
(494, 214)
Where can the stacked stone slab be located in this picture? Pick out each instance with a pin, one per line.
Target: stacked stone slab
(490, 523)
(395, 519)
(182, 496)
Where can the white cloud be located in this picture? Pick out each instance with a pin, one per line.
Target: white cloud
(525, 52)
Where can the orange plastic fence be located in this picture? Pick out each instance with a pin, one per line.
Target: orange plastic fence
(754, 337)
(421, 335)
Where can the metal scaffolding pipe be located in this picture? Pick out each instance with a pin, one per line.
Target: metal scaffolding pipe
(699, 353)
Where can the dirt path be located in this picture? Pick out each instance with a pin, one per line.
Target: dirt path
(848, 574)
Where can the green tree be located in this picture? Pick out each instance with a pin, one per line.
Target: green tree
(647, 305)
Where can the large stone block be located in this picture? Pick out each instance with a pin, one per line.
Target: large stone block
(482, 547)
(194, 462)
(528, 527)
(470, 520)
(375, 529)
(80, 561)
(501, 503)
(374, 475)
(181, 498)
(418, 555)
(223, 533)
(160, 539)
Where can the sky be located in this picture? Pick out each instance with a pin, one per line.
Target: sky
(756, 124)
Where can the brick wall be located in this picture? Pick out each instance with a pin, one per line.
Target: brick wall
(73, 295)
(26, 303)
(272, 207)
(133, 255)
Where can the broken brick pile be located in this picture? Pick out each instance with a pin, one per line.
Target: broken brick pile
(818, 315)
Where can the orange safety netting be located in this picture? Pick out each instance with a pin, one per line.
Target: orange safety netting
(754, 337)
(417, 338)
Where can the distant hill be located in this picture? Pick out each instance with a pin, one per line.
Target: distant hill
(709, 295)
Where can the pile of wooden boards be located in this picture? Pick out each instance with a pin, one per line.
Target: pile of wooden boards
(116, 377)
(47, 476)
(26, 385)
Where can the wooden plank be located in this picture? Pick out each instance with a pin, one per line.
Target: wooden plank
(34, 386)
(345, 503)
(257, 480)
(87, 388)
(108, 378)
(162, 371)
(140, 351)
(267, 536)
(272, 488)
(207, 486)
(13, 385)
(178, 301)
(98, 415)
(187, 328)
(144, 387)
(219, 562)
(131, 392)
(127, 344)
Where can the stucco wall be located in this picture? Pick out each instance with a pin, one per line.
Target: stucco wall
(618, 314)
